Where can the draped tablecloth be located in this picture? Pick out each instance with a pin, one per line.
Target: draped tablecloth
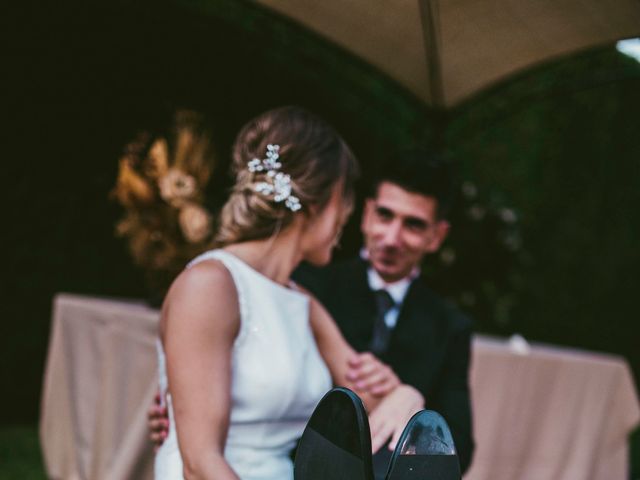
(549, 414)
(99, 380)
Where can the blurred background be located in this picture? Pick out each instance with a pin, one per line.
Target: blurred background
(546, 225)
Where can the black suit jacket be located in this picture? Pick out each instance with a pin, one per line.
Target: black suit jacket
(429, 348)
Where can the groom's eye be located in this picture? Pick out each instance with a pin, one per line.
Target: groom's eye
(384, 214)
(416, 224)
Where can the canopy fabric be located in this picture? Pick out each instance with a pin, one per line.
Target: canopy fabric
(446, 51)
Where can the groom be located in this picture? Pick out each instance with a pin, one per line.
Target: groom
(383, 306)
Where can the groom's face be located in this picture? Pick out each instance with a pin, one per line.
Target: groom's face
(399, 228)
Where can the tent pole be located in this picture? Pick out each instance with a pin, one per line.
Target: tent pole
(430, 19)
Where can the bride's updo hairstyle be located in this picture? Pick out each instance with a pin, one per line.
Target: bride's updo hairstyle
(310, 151)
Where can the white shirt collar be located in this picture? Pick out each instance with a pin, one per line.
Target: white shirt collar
(397, 290)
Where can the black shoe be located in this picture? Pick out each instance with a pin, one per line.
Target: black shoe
(336, 443)
(425, 450)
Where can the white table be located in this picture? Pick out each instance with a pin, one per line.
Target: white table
(556, 414)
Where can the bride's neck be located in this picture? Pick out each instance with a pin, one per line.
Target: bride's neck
(275, 258)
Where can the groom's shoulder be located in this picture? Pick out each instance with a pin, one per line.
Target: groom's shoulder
(352, 265)
(444, 310)
(318, 279)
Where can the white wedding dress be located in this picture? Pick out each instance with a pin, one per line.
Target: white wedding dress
(278, 377)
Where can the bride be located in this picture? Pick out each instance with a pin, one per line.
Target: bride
(246, 354)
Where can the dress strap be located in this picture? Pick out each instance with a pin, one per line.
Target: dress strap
(231, 263)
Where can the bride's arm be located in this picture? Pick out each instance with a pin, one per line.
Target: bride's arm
(200, 321)
(387, 415)
(335, 351)
(343, 360)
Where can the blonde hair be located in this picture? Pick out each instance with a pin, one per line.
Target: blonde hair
(311, 153)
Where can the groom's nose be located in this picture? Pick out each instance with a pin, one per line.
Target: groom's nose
(392, 235)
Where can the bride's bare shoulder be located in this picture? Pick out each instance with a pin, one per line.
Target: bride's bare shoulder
(199, 294)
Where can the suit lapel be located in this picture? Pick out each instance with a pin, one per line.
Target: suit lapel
(354, 306)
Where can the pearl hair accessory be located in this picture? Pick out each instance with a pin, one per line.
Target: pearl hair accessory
(277, 183)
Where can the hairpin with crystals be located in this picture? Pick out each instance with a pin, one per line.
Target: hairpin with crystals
(278, 184)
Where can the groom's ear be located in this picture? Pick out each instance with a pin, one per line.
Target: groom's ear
(441, 230)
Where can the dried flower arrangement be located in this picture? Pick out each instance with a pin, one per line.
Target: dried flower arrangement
(161, 184)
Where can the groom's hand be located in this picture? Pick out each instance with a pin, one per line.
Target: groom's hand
(157, 422)
(371, 375)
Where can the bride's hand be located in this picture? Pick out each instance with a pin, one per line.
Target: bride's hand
(392, 414)
(371, 375)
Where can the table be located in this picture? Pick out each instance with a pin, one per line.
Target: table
(100, 378)
(552, 413)
(544, 413)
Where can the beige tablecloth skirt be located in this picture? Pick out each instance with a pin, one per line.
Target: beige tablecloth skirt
(549, 414)
(555, 414)
(100, 379)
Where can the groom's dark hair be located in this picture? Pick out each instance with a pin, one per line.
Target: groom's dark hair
(418, 170)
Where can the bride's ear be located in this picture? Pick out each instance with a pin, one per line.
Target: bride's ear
(312, 212)
(305, 217)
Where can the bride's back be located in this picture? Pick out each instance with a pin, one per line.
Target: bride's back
(277, 377)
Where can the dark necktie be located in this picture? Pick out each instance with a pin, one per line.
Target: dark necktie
(381, 332)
